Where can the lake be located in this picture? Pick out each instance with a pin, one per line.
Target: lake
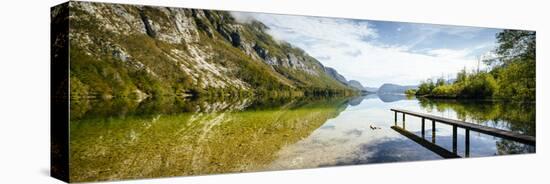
(117, 139)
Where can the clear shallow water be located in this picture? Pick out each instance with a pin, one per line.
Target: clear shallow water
(114, 140)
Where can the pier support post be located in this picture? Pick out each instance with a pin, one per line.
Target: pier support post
(467, 143)
(433, 131)
(395, 120)
(403, 121)
(423, 128)
(454, 139)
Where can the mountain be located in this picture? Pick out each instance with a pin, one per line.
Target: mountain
(335, 75)
(388, 88)
(125, 50)
(364, 90)
(356, 84)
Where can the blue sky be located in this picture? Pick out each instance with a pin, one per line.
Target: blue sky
(377, 52)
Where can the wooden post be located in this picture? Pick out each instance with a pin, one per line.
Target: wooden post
(433, 131)
(395, 120)
(423, 129)
(403, 121)
(467, 144)
(454, 139)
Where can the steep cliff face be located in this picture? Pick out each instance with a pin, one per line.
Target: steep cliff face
(124, 50)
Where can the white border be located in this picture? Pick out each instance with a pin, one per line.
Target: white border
(24, 100)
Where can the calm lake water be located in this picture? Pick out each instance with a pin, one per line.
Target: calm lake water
(124, 139)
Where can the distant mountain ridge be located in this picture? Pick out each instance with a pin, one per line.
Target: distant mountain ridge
(356, 84)
(388, 88)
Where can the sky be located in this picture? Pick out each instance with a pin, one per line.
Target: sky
(378, 52)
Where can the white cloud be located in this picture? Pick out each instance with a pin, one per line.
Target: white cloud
(449, 53)
(348, 46)
(336, 32)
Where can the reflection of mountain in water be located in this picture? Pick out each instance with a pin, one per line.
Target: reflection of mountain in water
(385, 97)
(356, 101)
(390, 97)
(220, 137)
(371, 96)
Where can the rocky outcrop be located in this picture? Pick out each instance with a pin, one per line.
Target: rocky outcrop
(148, 28)
(176, 49)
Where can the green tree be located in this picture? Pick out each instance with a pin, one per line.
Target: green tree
(425, 87)
(461, 76)
(480, 85)
(440, 82)
(512, 75)
(515, 65)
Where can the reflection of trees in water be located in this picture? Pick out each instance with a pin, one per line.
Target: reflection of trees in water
(511, 147)
(87, 108)
(356, 100)
(81, 109)
(517, 117)
(122, 107)
(190, 143)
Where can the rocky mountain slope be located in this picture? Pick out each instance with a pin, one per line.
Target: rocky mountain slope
(129, 50)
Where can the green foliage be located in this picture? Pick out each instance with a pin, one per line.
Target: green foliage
(440, 82)
(445, 91)
(425, 87)
(78, 89)
(516, 44)
(410, 92)
(475, 85)
(512, 76)
(517, 81)
(479, 85)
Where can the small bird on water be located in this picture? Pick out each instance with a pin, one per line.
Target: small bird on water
(374, 127)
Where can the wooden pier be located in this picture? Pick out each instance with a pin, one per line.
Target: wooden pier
(525, 139)
(427, 144)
